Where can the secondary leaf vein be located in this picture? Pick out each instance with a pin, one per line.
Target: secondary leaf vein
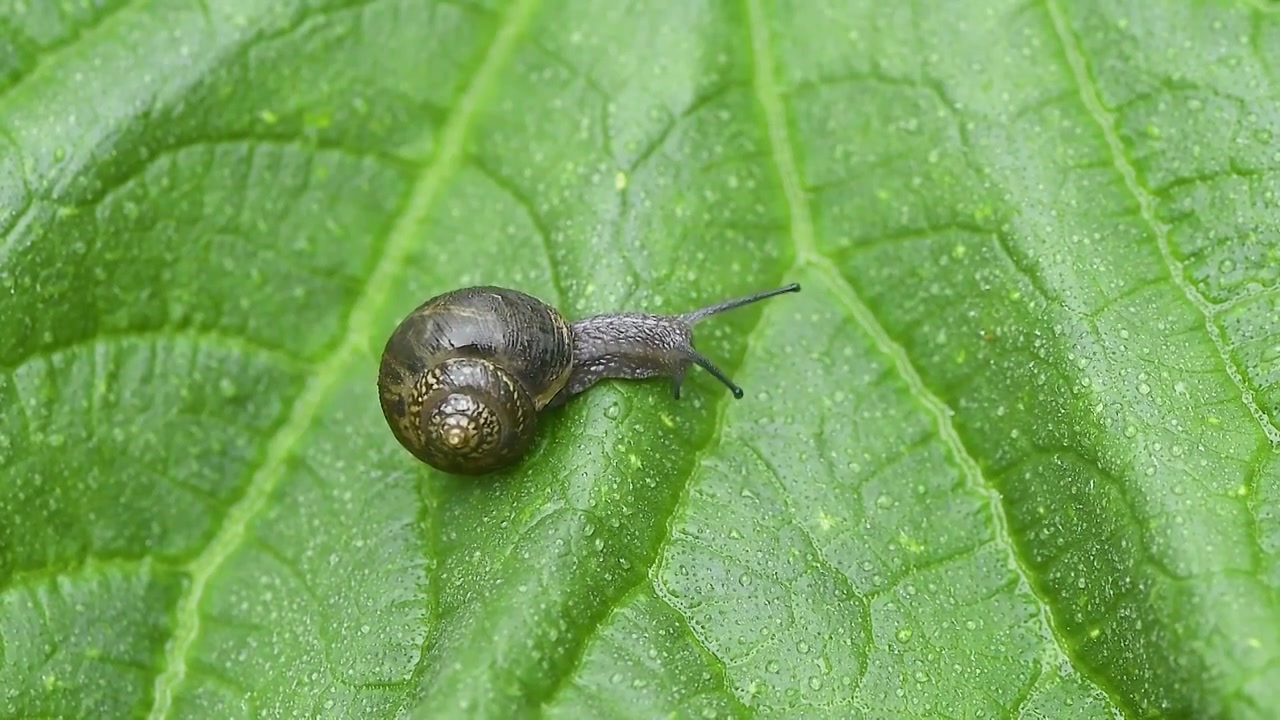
(332, 369)
(238, 345)
(46, 55)
(807, 254)
(1089, 95)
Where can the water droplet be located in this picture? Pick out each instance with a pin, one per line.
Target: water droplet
(613, 412)
(904, 635)
(744, 579)
(802, 646)
(815, 682)
(1144, 388)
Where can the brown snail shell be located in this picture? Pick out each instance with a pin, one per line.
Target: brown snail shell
(465, 374)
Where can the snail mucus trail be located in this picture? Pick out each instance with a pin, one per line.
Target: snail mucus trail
(464, 375)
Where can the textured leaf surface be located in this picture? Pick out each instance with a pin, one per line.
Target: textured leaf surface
(1012, 452)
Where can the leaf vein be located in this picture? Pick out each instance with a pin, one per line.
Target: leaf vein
(332, 369)
(807, 254)
(88, 564)
(1090, 97)
(526, 203)
(654, 558)
(45, 55)
(236, 344)
(712, 658)
(839, 577)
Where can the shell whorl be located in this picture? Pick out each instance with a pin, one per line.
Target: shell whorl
(474, 417)
(464, 375)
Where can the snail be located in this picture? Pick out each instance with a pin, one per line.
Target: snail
(464, 375)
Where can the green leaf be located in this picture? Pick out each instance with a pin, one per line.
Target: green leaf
(1012, 451)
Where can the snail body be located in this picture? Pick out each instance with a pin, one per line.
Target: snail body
(465, 375)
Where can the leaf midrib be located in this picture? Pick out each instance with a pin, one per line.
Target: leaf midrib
(330, 370)
(808, 255)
